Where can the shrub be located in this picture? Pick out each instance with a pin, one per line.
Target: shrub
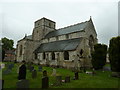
(114, 54)
(99, 56)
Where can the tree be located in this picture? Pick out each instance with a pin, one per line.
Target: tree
(99, 56)
(7, 44)
(114, 54)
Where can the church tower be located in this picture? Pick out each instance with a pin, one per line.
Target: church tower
(41, 28)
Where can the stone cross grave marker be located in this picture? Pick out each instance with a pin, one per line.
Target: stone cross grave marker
(34, 74)
(67, 79)
(23, 84)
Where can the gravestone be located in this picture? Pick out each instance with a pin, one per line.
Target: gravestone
(2, 65)
(40, 68)
(34, 74)
(23, 84)
(7, 71)
(58, 80)
(67, 79)
(76, 76)
(45, 82)
(54, 72)
(44, 73)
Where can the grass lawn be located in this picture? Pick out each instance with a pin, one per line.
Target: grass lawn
(100, 80)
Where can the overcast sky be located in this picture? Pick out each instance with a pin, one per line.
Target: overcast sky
(17, 17)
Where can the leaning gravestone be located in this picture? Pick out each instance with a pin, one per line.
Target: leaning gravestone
(34, 74)
(23, 84)
(67, 79)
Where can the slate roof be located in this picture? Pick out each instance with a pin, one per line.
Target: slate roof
(67, 30)
(62, 45)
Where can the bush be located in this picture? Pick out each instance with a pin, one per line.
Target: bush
(99, 56)
(114, 54)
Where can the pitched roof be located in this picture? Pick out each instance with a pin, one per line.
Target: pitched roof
(29, 37)
(67, 30)
(63, 45)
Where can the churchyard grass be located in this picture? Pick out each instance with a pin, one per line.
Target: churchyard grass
(100, 80)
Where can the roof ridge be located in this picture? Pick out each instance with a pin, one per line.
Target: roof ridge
(72, 25)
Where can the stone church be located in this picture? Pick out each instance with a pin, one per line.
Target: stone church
(67, 47)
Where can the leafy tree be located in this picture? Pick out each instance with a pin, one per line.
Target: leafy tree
(7, 44)
(114, 54)
(99, 56)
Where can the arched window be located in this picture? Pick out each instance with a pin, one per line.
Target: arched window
(20, 53)
(44, 55)
(36, 55)
(66, 55)
(53, 56)
(91, 42)
(81, 52)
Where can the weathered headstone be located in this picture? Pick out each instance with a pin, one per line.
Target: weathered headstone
(23, 84)
(2, 65)
(76, 76)
(58, 80)
(40, 68)
(34, 74)
(67, 79)
(54, 72)
(45, 82)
